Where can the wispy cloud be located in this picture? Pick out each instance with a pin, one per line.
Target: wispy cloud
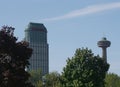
(86, 11)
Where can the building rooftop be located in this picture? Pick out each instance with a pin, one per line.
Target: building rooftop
(36, 27)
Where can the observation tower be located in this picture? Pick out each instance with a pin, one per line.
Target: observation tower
(104, 43)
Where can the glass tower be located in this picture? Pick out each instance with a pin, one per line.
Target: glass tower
(36, 35)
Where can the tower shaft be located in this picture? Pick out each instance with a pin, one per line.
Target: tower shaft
(104, 54)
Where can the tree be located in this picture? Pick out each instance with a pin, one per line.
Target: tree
(112, 80)
(84, 70)
(36, 77)
(49, 80)
(52, 79)
(14, 58)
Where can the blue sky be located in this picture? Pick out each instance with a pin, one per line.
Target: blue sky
(71, 24)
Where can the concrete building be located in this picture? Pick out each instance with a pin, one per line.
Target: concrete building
(104, 43)
(36, 35)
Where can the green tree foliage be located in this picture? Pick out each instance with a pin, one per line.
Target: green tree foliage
(39, 83)
(112, 80)
(84, 70)
(49, 80)
(52, 79)
(36, 77)
(14, 58)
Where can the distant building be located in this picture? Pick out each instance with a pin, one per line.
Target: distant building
(36, 35)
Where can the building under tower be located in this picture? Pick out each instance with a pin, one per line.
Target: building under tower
(36, 35)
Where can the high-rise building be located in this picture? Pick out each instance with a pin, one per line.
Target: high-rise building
(36, 35)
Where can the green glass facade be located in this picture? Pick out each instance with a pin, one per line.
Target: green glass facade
(36, 35)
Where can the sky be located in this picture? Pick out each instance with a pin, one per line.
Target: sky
(71, 24)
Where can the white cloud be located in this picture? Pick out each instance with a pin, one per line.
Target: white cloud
(86, 11)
